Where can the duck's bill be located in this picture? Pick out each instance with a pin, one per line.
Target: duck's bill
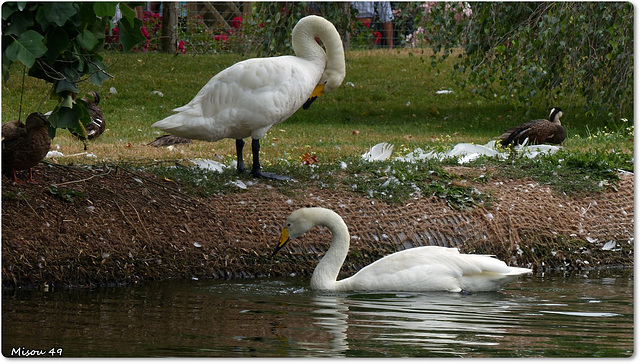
(284, 239)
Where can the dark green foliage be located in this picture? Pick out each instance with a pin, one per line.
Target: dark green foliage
(550, 53)
(274, 21)
(60, 43)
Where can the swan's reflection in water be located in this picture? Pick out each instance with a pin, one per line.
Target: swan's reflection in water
(586, 315)
(332, 315)
(447, 323)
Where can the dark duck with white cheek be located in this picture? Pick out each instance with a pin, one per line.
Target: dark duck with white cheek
(97, 125)
(538, 131)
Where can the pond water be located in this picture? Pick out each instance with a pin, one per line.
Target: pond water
(586, 314)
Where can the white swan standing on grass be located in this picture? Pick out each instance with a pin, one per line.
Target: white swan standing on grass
(248, 98)
(427, 268)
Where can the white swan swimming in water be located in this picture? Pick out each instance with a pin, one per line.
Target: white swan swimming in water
(248, 98)
(427, 268)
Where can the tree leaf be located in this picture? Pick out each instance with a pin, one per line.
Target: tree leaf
(62, 117)
(74, 119)
(6, 66)
(65, 86)
(82, 111)
(128, 14)
(57, 42)
(97, 75)
(103, 9)
(41, 19)
(130, 35)
(87, 40)
(59, 13)
(19, 23)
(26, 48)
(8, 9)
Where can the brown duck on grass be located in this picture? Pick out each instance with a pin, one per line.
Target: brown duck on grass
(24, 145)
(538, 131)
(97, 125)
(168, 140)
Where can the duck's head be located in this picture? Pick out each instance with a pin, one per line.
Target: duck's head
(35, 120)
(555, 114)
(93, 95)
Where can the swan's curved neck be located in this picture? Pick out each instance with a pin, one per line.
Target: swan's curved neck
(326, 273)
(305, 46)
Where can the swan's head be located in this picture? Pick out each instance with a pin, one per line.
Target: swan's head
(304, 43)
(332, 78)
(301, 221)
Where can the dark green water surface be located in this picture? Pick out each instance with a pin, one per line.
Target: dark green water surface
(585, 314)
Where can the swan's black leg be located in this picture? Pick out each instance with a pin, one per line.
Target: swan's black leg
(256, 169)
(239, 147)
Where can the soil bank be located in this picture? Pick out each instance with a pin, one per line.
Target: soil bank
(88, 226)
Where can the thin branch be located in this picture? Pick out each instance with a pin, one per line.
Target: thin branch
(50, 71)
(84, 179)
(46, 96)
(24, 73)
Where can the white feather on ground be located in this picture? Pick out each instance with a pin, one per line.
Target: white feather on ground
(210, 165)
(378, 152)
(468, 152)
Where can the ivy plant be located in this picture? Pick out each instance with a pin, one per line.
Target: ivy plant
(60, 43)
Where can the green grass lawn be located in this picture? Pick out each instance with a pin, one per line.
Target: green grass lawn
(387, 96)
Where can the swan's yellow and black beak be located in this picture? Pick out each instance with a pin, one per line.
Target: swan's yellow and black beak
(284, 239)
(318, 91)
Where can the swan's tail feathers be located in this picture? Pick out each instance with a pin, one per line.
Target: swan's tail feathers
(517, 271)
(184, 125)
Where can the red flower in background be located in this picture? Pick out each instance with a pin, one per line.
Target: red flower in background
(221, 37)
(114, 37)
(181, 47)
(236, 22)
(377, 37)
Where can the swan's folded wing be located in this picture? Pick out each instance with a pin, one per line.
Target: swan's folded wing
(417, 269)
(434, 269)
(247, 97)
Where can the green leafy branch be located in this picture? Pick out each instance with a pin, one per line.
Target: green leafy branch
(60, 43)
(544, 53)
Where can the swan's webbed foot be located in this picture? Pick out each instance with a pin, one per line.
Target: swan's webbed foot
(277, 177)
(256, 170)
